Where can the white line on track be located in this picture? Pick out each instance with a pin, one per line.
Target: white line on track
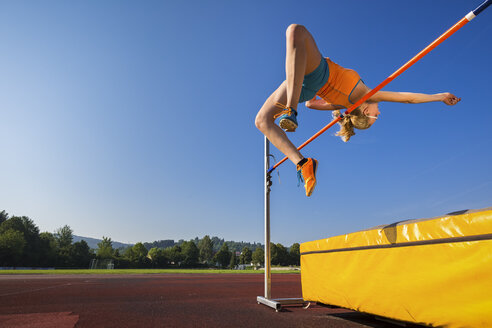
(35, 290)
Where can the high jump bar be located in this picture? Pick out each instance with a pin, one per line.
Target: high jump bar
(471, 15)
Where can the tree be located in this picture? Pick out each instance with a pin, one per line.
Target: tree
(12, 244)
(105, 248)
(4, 216)
(48, 248)
(64, 236)
(281, 255)
(30, 231)
(80, 255)
(160, 244)
(32, 255)
(223, 256)
(139, 250)
(157, 257)
(206, 249)
(217, 243)
(139, 255)
(273, 254)
(190, 253)
(258, 256)
(246, 256)
(174, 254)
(233, 261)
(295, 254)
(14, 223)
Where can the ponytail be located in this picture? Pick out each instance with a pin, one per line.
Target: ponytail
(346, 127)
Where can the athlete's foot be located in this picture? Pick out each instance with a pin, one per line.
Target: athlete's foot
(288, 118)
(307, 172)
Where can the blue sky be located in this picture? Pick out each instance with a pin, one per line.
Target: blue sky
(135, 119)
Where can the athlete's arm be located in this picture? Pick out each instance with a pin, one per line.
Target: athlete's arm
(414, 98)
(320, 104)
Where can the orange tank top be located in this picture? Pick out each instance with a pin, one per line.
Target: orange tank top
(341, 82)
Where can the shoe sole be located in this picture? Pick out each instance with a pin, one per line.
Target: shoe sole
(315, 167)
(287, 125)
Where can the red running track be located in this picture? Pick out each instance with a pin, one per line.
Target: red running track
(160, 300)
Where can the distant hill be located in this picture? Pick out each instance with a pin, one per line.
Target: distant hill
(92, 242)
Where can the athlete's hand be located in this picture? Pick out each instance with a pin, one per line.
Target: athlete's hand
(450, 99)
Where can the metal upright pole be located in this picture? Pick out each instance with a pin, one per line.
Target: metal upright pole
(268, 183)
(267, 299)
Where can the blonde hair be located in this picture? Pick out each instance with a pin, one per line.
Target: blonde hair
(353, 120)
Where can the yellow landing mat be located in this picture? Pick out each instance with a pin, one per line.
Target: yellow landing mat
(436, 272)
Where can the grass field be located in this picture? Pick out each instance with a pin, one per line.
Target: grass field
(139, 271)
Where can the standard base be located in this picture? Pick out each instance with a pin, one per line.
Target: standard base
(279, 302)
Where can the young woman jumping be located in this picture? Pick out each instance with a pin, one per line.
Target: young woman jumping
(309, 74)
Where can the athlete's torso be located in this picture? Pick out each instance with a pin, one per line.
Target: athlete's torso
(344, 86)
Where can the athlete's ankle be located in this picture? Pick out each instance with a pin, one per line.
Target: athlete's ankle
(301, 162)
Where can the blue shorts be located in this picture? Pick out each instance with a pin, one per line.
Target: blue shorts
(314, 81)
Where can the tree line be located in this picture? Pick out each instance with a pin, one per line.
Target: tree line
(216, 244)
(22, 245)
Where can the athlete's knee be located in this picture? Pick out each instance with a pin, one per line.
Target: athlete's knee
(262, 121)
(296, 32)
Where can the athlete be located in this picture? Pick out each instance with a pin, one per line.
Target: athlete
(308, 75)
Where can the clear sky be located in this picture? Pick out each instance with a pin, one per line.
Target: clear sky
(135, 119)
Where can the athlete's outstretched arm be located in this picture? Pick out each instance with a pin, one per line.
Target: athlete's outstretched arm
(320, 104)
(414, 98)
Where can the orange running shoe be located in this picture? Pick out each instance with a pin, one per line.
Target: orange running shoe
(288, 118)
(307, 174)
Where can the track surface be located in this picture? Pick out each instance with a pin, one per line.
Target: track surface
(160, 300)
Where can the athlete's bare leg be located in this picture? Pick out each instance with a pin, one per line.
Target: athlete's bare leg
(266, 124)
(301, 58)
